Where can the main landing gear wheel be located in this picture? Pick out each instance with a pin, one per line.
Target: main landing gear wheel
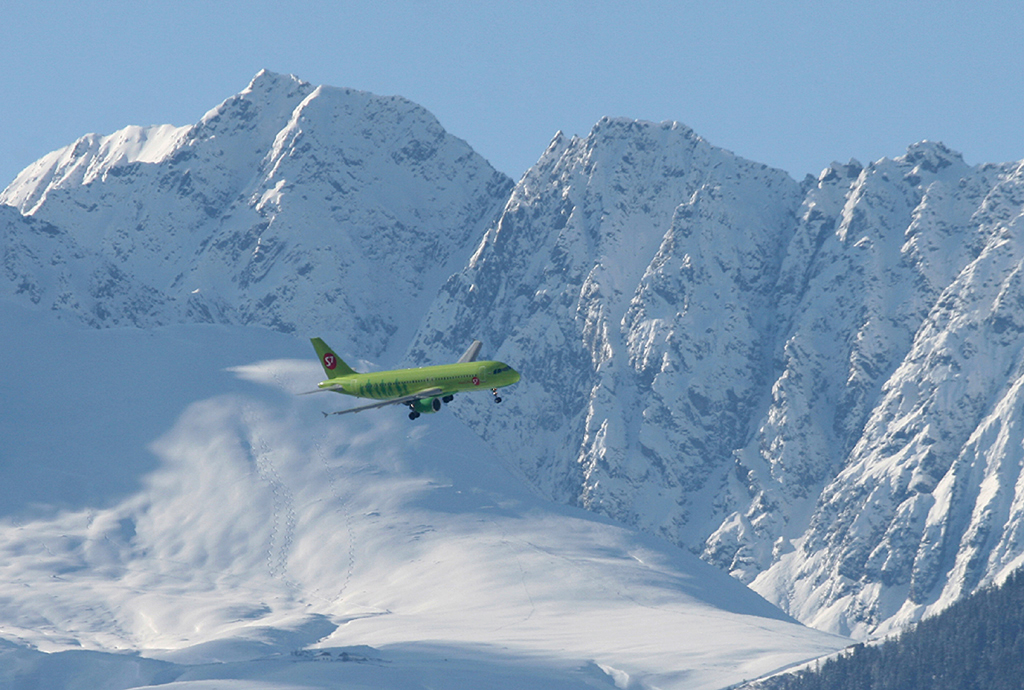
(414, 415)
(448, 398)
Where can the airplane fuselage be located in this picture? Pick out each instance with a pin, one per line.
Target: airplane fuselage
(422, 390)
(449, 378)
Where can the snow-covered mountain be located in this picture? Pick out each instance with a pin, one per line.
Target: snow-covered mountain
(812, 386)
(791, 380)
(171, 514)
(288, 205)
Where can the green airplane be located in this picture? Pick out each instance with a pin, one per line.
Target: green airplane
(422, 390)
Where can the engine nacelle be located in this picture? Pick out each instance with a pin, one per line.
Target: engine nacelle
(427, 405)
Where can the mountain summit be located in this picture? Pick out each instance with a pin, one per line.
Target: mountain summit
(288, 205)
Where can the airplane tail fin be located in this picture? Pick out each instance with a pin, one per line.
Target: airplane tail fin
(333, 365)
(470, 354)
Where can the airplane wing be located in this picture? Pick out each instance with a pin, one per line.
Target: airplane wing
(321, 390)
(470, 354)
(405, 399)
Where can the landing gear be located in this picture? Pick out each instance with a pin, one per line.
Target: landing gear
(448, 398)
(494, 392)
(414, 415)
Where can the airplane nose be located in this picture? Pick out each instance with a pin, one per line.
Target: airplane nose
(515, 376)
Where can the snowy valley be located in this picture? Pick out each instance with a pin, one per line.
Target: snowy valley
(813, 387)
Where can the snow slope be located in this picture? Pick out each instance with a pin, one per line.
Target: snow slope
(220, 529)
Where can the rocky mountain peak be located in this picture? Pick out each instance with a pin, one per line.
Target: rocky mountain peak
(931, 156)
(279, 207)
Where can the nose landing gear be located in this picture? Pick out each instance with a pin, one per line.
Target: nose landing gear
(494, 392)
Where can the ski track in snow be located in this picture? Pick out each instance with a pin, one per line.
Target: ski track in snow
(522, 575)
(332, 480)
(282, 530)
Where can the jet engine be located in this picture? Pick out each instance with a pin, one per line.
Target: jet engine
(427, 405)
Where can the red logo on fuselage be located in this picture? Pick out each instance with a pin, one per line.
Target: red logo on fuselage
(330, 361)
(476, 381)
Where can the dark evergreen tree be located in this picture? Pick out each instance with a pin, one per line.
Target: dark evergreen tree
(977, 643)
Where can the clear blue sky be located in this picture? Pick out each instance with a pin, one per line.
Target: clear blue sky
(793, 84)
